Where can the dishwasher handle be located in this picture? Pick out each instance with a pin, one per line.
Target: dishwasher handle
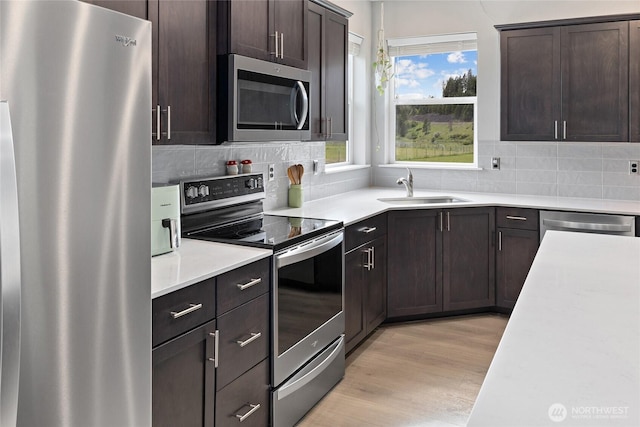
(587, 226)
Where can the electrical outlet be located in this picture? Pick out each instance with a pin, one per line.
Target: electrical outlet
(272, 171)
(633, 167)
(495, 163)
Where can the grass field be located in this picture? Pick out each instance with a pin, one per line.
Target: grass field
(335, 152)
(436, 142)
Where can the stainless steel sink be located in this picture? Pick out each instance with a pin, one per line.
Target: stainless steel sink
(422, 200)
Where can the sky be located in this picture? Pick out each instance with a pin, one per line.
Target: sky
(422, 76)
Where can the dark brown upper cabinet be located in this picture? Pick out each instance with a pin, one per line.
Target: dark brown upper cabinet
(136, 8)
(184, 71)
(634, 81)
(272, 30)
(328, 63)
(565, 80)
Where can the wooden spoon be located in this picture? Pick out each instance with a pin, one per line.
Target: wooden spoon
(290, 174)
(300, 173)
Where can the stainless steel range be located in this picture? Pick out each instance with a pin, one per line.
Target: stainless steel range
(307, 291)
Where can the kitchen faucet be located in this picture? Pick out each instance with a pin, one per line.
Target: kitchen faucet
(408, 183)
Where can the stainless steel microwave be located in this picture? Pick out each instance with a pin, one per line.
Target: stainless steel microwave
(264, 101)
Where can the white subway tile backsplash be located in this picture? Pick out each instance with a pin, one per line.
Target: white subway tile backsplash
(504, 187)
(541, 176)
(621, 179)
(537, 163)
(584, 150)
(628, 151)
(538, 149)
(581, 191)
(580, 178)
(536, 189)
(579, 164)
(505, 149)
(621, 193)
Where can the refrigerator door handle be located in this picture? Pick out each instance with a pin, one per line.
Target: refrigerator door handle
(10, 279)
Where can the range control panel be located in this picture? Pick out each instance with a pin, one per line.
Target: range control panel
(208, 193)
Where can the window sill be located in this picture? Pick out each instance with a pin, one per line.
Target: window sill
(344, 168)
(419, 166)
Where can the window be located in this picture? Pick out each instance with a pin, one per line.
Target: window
(340, 152)
(433, 100)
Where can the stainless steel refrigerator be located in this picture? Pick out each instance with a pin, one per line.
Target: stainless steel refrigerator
(76, 351)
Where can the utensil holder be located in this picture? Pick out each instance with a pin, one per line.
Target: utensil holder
(295, 196)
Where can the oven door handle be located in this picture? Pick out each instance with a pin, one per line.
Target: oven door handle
(309, 250)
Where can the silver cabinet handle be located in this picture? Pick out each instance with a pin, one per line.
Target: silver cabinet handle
(276, 43)
(500, 241)
(330, 127)
(367, 230)
(564, 129)
(369, 263)
(448, 222)
(373, 257)
(157, 111)
(216, 342)
(249, 284)
(191, 309)
(169, 122)
(441, 224)
(253, 409)
(517, 218)
(281, 45)
(555, 129)
(254, 336)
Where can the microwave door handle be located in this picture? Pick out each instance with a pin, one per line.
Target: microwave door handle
(309, 250)
(299, 87)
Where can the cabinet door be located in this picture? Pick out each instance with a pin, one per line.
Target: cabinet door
(244, 28)
(530, 84)
(184, 70)
(328, 37)
(375, 303)
(354, 282)
(136, 8)
(290, 20)
(595, 82)
(634, 81)
(516, 251)
(468, 258)
(336, 76)
(414, 280)
(184, 379)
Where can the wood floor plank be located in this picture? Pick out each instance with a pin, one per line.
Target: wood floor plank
(425, 373)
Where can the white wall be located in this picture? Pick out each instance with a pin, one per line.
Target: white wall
(592, 170)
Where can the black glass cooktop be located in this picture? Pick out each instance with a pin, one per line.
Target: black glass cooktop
(267, 231)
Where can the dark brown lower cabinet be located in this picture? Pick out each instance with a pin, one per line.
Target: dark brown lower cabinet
(440, 260)
(414, 261)
(183, 390)
(365, 290)
(516, 251)
(245, 400)
(468, 258)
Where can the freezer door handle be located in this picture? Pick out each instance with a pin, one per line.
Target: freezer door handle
(10, 279)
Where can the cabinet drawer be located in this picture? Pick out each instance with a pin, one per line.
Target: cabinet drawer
(242, 397)
(244, 339)
(365, 231)
(243, 284)
(182, 310)
(520, 218)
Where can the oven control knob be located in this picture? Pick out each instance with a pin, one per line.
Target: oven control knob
(192, 192)
(250, 183)
(203, 190)
(259, 183)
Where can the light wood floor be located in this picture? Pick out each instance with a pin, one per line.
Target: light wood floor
(425, 373)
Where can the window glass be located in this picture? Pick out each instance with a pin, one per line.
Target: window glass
(433, 105)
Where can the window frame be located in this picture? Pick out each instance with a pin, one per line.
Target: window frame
(394, 101)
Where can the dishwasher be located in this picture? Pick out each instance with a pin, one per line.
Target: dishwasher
(620, 225)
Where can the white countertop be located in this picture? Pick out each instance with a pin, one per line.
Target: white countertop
(572, 345)
(197, 260)
(363, 203)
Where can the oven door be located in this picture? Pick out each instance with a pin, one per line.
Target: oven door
(307, 302)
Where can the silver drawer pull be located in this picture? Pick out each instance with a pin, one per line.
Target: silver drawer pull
(368, 230)
(216, 345)
(191, 309)
(253, 409)
(517, 218)
(254, 336)
(249, 284)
